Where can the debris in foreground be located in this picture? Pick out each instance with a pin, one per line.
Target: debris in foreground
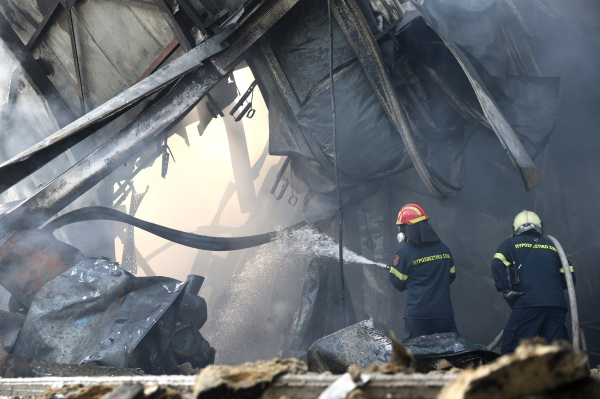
(248, 380)
(43, 369)
(562, 373)
(363, 345)
(534, 368)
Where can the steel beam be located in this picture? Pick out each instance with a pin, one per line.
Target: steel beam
(27, 162)
(42, 26)
(88, 172)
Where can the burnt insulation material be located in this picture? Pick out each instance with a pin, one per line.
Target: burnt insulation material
(301, 42)
(363, 345)
(368, 144)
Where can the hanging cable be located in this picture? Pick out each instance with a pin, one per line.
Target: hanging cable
(293, 199)
(335, 165)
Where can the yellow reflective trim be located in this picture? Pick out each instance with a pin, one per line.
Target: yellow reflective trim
(398, 274)
(430, 258)
(502, 258)
(563, 270)
(416, 220)
(453, 269)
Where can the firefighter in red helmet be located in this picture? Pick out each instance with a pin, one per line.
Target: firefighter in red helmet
(424, 267)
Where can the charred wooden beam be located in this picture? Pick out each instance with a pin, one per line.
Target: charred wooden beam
(42, 26)
(88, 172)
(76, 62)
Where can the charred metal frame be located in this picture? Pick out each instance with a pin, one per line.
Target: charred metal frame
(76, 61)
(79, 129)
(185, 38)
(89, 171)
(363, 43)
(42, 26)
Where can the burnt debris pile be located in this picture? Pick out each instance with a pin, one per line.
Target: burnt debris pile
(93, 317)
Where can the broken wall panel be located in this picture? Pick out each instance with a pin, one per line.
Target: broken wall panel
(24, 16)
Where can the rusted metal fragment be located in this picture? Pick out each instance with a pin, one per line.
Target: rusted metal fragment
(30, 258)
(532, 369)
(13, 366)
(246, 380)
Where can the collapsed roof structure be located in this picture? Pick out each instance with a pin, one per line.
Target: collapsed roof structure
(426, 92)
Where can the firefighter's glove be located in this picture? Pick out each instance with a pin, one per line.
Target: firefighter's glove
(511, 297)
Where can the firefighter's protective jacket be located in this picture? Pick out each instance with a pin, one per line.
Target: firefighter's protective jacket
(542, 275)
(427, 272)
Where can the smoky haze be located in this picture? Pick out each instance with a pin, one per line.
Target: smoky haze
(252, 294)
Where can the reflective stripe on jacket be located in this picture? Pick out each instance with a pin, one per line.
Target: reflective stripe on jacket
(542, 275)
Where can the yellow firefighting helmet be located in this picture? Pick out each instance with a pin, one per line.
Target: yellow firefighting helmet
(525, 221)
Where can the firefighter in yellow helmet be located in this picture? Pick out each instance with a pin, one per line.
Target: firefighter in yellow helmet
(528, 271)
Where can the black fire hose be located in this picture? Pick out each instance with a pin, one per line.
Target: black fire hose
(572, 299)
(180, 237)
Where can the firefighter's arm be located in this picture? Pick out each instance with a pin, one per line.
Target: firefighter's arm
(452, 269)
(500, 264)
(563, 280)
(399, 273)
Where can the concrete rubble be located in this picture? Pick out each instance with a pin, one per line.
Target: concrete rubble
(536, 369)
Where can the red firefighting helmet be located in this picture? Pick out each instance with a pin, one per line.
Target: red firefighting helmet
(411, 214)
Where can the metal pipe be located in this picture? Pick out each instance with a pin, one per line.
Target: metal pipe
(63, 190)
(335, 166)
(570, 290)
(497, 341)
